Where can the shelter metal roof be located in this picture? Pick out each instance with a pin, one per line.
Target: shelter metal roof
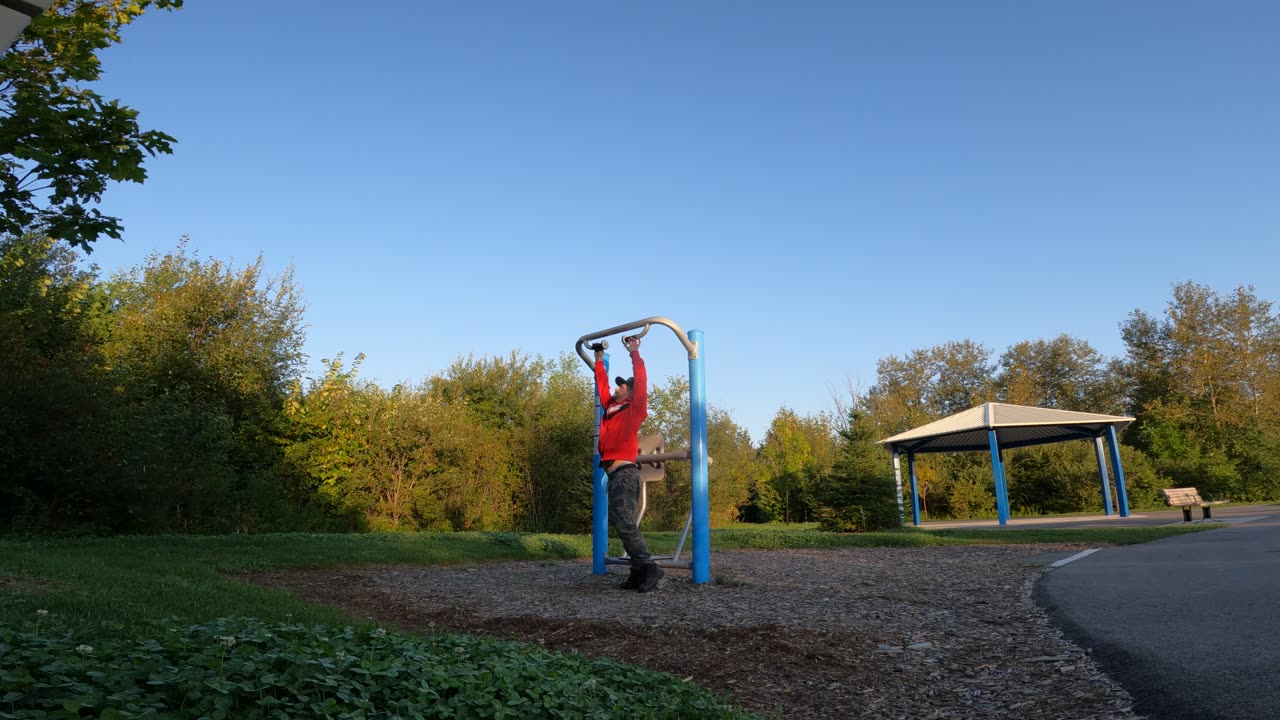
(1015, 426)
(14, 16)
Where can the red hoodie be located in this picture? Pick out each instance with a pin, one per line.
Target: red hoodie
(620, 424)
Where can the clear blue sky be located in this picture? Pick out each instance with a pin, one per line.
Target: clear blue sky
(814, 185)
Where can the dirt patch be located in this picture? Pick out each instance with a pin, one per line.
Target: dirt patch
(894, 633)
(11, 583)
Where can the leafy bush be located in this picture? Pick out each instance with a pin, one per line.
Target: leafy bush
(860, 518)
(245, 668)
(971, 493)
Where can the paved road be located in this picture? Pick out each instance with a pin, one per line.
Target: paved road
(1189, 625)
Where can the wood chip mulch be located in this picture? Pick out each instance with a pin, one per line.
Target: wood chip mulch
(946, 632)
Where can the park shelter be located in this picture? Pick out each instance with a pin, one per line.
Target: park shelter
(16, 14)
(995, 427)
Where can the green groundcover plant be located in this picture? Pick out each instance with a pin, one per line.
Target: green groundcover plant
(246, 668)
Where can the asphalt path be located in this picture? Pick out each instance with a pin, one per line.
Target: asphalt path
(1189, 625)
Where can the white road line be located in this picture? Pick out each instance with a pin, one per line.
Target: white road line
(1077, 556)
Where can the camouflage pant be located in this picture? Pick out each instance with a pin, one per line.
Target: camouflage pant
(624, 495)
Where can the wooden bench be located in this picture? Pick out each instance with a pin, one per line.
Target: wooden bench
(1187, 498)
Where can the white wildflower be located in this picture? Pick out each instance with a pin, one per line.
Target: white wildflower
(85, 650)
(228, 640)
(42, 613)
(379, 633)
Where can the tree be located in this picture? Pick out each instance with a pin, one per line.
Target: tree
(929, 384)
(558, 464)
(1204, 383)
(61, 143)
(796, 451)
(81, 445)
(398, 450)
(962, 376)
(322, 445)
(1200, 353)
(859, 493)
(400, 459)
(541, 412)
(221, 341)
(900, 398)
(502, 392)
(786, 455)
(736, 467)
(53, 395)
(1064, 373)
(231, 336)
(1252, 332)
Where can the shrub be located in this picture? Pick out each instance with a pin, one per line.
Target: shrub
(245, 668)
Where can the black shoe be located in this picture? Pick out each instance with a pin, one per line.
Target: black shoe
(649, 580)
(633, 582)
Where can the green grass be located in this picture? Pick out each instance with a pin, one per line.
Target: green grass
(121, 580)
(125, 579)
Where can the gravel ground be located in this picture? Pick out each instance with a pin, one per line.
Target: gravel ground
(946, 632)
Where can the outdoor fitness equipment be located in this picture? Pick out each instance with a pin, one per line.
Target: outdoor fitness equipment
(700, 508)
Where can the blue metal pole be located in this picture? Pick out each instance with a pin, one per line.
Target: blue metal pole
(915, 489)
(701, 501)
(1122, 495)
(997, 469)
(1004, 485)
(599, 494)
(1102, 474)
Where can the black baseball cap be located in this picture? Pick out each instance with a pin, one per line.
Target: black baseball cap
(631, 382)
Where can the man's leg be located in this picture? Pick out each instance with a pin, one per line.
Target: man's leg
(624, 495)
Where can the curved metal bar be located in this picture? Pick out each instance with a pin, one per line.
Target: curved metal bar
(645, 323)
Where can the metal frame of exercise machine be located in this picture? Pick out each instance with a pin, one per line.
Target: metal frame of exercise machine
(700, 507)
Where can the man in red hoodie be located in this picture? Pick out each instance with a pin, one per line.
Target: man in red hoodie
(624, 411)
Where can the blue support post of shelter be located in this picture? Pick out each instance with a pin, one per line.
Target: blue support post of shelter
(1122, 495)
(997, 469)
(701, 502)
(1102, 474)
(915, 489)
(1004, 485)
(599, 495)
